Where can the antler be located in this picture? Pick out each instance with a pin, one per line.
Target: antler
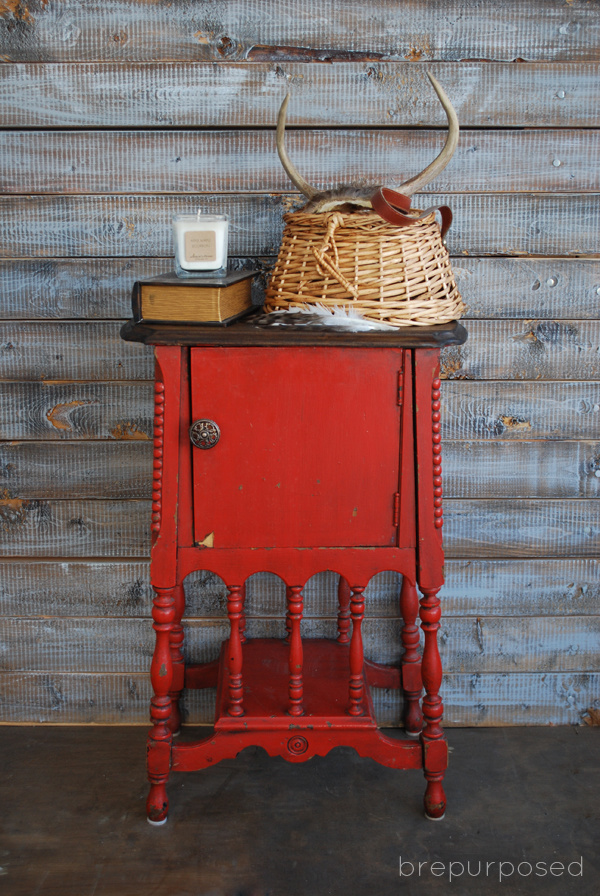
(289, 168)
(416, 183)
(413, 185)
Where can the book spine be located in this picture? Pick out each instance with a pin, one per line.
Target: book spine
(136, 301)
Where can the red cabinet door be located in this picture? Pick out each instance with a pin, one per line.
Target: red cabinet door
(309, 447)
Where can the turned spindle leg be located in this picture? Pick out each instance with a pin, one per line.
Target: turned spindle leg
(357, 685)
(160, 736)
(243, 615)
(234, 612)
(343, 620)
(411, 660)
(295, 606)
(432, 736)
(176, 639)
(288, 621)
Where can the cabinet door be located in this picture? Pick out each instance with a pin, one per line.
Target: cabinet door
(309, 446)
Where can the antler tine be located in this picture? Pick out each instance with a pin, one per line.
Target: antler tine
(437, 166)
(290, 169)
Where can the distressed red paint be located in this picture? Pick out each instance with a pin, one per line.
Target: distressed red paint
(328, 459)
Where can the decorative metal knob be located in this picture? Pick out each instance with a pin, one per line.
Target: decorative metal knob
(204, 434)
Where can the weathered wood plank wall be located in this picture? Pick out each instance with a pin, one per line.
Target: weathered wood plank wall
(116, 115)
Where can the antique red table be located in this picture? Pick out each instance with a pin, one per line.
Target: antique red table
(294, 451)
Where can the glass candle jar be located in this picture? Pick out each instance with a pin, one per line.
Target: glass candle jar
(200, 244)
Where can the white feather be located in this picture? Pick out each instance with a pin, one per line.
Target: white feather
(343, 317)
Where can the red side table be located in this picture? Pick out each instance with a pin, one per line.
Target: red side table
(295, 451)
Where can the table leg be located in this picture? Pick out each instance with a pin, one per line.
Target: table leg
(435, 751)
(235, 613)
(176, 638)
(343, 620)
(412, 685)
(357, 684)
(296, 685)
(160, 736)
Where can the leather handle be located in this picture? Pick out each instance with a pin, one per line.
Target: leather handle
(393, 206)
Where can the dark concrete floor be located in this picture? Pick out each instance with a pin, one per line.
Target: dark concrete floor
(73, 820)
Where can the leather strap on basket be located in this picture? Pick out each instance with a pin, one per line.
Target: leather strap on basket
(393, 206)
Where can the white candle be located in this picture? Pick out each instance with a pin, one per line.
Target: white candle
(200, 243)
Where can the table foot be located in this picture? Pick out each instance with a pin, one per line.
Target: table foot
(157, 805)
(435, 801)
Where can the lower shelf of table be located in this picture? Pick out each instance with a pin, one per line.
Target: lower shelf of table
(325, 723)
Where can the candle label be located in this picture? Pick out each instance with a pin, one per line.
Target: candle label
(200, 245)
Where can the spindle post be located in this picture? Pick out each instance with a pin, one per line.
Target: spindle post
(288, 621)
(357, 684)
(296, 685)
(343, 619)
(243, 615)
(176, 638)
(433, 709)
(160, 737)
(412, 684)
(234, 652)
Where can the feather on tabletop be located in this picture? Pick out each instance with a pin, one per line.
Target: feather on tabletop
(342, 317)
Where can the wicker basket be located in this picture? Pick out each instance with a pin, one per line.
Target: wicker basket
(398, 275)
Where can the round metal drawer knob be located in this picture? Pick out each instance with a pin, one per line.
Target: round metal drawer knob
(204, 434)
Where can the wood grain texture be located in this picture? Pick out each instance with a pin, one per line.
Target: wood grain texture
(472, 410)
(525, 528)
(473, 529)
(121, 588)
(526, 350)
(383, 94)
(130, 226)
(481, 699)
(74, 528)
(329, 31)
(495, 350)
(70, 351)
(484, 644)
(83, 589)
(472, 469)
(246, 160)
(507, 410)
(492, 288)
(76, 411)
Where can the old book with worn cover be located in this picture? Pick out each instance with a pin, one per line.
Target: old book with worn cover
(169, 298)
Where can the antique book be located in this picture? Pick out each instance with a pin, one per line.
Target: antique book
(217, 299)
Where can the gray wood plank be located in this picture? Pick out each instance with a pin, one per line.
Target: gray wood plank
(76, 411)
(471, 410)
(121, 588)
(472, 469)
(328, 31)
(526, 350)
(496, 350)
(521, 528)
(246, 160)
(492, 288)
(74, 528)
(472, 529)
(111, 469)
(512, 410)
(383, 94)
(534, 587)
(61, 350)
(524, 469)
(130, 226)
(478, 700)
(485, 644)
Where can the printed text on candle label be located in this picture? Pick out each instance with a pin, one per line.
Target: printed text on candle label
(200, 245)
